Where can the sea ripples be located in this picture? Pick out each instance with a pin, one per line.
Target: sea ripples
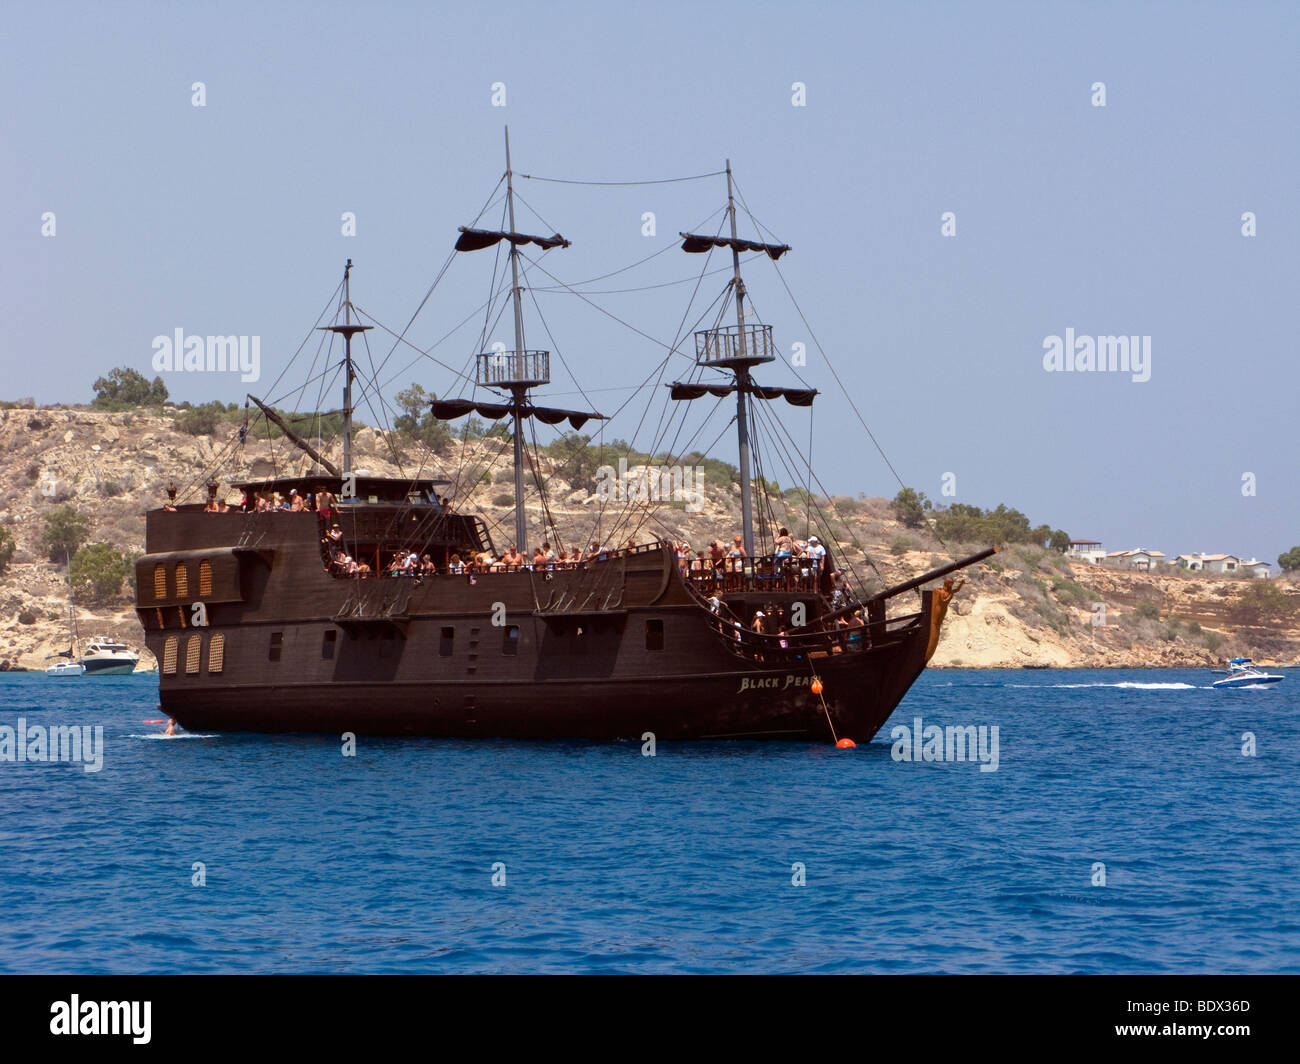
(685, 862)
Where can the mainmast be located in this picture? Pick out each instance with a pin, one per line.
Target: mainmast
(347, 330)
(517, 370)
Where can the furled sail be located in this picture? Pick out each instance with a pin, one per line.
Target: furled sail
(478, 239)
(450, 409)
(695, 243)
(793, 396)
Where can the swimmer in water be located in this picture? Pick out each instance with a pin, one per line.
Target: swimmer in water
(171, 726)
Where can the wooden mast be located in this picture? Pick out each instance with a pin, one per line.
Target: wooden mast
(347, 330)
(517, 391)
(742, 384)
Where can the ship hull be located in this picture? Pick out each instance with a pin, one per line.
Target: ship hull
(108, 667)
(776, 704)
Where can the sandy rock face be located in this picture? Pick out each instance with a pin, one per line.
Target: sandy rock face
(1026, 607)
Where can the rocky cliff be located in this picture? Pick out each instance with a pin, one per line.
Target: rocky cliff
(1026, 607)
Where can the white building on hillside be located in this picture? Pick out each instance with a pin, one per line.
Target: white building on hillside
(1221, 564)
(1139, 558)
(1086, 550)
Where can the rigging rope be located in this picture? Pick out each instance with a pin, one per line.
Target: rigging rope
(661, 181)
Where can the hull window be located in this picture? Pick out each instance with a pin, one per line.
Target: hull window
(327, 643)
(654, 635)
(182, 581)
(205, 578)
(169, 655)
(160, 581)
(447, 643)
(277, 642)
(510, 639)
(193, 649)
(217, 653)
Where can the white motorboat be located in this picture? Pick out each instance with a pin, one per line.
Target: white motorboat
(108, 657)
(1241, 673)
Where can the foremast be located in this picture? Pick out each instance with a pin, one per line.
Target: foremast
(738, 352)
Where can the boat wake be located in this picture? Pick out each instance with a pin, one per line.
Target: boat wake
(160, 735)
(1128, 684)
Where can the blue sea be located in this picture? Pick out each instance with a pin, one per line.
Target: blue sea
(1124, 830)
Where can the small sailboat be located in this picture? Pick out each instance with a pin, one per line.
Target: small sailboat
(73, 666)
(1241, 673)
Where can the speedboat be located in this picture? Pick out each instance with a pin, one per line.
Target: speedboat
(1241, 673)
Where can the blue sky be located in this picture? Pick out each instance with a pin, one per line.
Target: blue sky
(1123, 219)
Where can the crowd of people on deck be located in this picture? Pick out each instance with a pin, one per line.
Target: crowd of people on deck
(408, 563)
(792, 561)
(849, 632)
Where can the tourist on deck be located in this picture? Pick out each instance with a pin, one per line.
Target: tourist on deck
(716, 554)
(784, 543)
(513, 560)
(295, 502)
(857, 631)
(594, 552)
(455, 565)
(540, 561)
(324, 503)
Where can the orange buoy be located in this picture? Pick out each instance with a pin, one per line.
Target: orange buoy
(845, 744)
(816, 686)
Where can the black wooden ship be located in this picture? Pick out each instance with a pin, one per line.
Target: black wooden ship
(366, 612)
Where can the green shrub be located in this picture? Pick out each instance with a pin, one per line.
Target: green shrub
(125, 388)
(901, 545)
(66, 530)
(98, 572)
(1261, 603)
(7, 548)
(1147, 610)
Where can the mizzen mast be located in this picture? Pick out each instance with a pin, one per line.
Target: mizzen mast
(347, 330)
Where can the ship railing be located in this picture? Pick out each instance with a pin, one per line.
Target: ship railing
(792, 647)
(759, 574)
